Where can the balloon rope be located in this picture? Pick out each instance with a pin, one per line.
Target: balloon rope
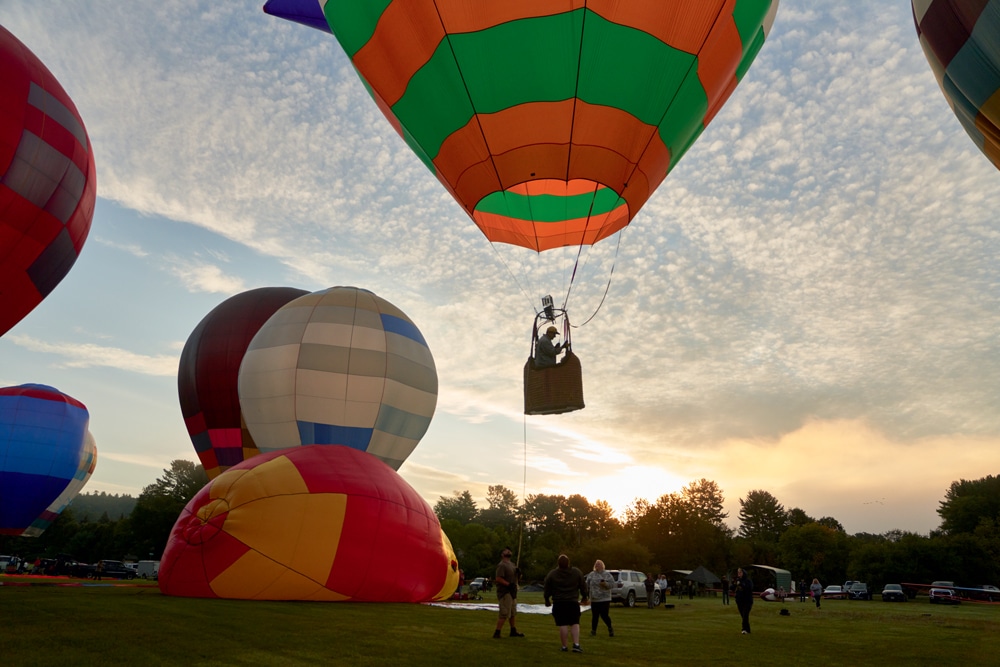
(608, 286)
(524, 490)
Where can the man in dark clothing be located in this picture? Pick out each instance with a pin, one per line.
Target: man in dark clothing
(743, 592)
(506, 578)
(564, 590)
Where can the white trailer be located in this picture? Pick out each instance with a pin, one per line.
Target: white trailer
(148, 569)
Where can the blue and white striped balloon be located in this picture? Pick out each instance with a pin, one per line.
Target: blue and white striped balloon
(339, 367)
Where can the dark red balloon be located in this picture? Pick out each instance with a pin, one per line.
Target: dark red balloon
(208, 375)
(47, 182)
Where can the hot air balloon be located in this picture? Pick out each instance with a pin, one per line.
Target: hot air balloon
(209, 371)
(551, 122)
(47, 182)
(322, 523)
(43, 441)
(961, 39)
(87, 464)
(344, 367)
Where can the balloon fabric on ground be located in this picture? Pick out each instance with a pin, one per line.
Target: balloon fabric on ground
(47, 182)
(551, 123)
(43, 441)
(961, 39)
(209, 370)
(322, 523)
(341, 366)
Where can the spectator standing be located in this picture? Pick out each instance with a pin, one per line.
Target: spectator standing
(599, 584)
(725, 590)
(816, 589)
(564, 590)
(743, 592)
(506, 580)
(650, 585)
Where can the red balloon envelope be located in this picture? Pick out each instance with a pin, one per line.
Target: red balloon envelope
(47, 183)
(209, 372)
(320, 522)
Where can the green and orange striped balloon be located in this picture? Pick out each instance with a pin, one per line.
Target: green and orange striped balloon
(550, 121)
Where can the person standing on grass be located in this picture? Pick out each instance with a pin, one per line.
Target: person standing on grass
(599, 583)
(564, 590)
(743, 592)
(816, 589)
(725, 590)
(650, 585)
(506, 580)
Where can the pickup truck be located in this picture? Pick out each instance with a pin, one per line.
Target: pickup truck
(111, 569)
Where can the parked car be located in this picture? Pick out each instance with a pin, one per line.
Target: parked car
(833, 592)
(629, 588)
(112, 569)
(893, 593)
(943, 596)
(858, 591)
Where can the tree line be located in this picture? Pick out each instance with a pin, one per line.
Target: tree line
(680, 531)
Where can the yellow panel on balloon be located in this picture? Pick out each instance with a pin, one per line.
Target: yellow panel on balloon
(302, 530)
(254, 576)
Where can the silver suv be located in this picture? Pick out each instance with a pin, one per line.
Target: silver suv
(630, 587)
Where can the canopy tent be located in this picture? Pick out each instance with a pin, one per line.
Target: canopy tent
(703, 576)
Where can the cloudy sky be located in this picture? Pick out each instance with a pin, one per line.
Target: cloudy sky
(809, 304)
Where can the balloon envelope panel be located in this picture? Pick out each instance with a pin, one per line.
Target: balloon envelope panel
(209, 371)
(961, 39)
(47, 182)
(341, 366)
(43, 439)
(551, 123)
(325, 523)
(88, 462)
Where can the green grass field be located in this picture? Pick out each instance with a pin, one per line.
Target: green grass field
(132, 624)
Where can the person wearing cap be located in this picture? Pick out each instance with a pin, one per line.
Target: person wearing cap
(546, 351)
(506, 580)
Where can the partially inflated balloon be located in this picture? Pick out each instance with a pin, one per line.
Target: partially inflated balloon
(47, 182)
(324, 523)
(209, 371)
(961, 39)
(43, 441)
(341, 367)
(550, 121)
(87, 464)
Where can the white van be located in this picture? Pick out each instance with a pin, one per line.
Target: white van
(148, 569)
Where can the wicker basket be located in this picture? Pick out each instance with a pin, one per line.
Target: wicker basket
(553, 390)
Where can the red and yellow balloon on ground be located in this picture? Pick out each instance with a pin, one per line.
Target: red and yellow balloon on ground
(961, 39)
(47, 182)
(551, 122)
(320, 522)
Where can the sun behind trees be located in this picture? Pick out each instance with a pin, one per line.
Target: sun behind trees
(686, 529)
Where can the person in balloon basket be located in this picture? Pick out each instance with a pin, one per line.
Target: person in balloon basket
(564, 590)
(506, 582)
(599, 584)
(547, 352)
(742, 588)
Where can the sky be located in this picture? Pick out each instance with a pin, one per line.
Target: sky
(809, 304)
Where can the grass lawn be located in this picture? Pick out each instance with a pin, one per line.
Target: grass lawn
(132, 624)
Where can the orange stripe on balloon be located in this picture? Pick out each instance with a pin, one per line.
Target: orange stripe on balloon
(718, 61)
(683, 24)
(529, 142)
(406, 37)
(548, 235)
